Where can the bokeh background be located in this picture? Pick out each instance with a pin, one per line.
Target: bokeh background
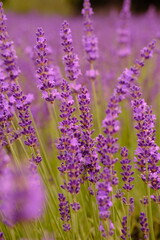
(74, 6)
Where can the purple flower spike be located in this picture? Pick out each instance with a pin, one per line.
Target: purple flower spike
(70, 59)
(68, 145)
(7, 133)
(124, 228)
(147, 151)
(16, 97)
(127, 170)
(104, 187)
(144, 225)
(64, 211)
(124, 48)
(22, 196)
(75, 206)
(45, 74)
(155, 198)
(106, 146)
(1, 236)
(90, 41)
(91, 165)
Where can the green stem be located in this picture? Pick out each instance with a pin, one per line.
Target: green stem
(114, 218)
(96, 107)
(128, 218)
(26, 153)
(150, 218)
(56, 118)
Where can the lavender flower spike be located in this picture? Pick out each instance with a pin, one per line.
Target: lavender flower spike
(70, 59)
(1, 236)
(68, 145)
(147, 152)
(46, 81)
(22, 196)
(127, 170)
(144, 225)
(19, 100)
(124, 48)
(104, 187)
(64, 211)
(90, 41)
(124, 228)
(90, 157)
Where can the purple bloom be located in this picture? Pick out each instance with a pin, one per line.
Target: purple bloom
(144, 201)
(155, 198)
(147, 150)
(75, 206)
(127, 170)
(90, 157)
(20, 101)
(64, 211)
(1, 236)
(45, 74)
(68, 145)
(104, 187)
(7, 133)
(22, 196)
(90, 41)
(106, 146)
(124, 228)
(124, 48)
(70, 59)
(144, 225)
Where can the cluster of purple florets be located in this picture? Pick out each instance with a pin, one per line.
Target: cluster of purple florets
(87, 158)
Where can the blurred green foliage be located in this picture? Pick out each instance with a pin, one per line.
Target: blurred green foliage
(46, 6)
(73, 6)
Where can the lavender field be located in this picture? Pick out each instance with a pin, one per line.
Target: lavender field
(80, 125)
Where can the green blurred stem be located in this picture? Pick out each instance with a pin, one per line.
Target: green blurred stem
(15, 157)
(26, 153)
(128, 218)
(114, 218)
(96, 107)
(40, 141)
(56, 118)
(150, 218)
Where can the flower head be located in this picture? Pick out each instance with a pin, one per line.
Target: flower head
(22, 195)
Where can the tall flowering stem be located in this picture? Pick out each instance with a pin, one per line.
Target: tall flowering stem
(46, 80)
(144, 225)
(87, 144)
(64, 210)
(142, 113)
(104, 201)
(127, 177)
(90, 41)
(70, 59)
(124, 48)
(7, 133)
(147, 152)
(68, 146)
(21, 101)
(107, 146)
(90, 44)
